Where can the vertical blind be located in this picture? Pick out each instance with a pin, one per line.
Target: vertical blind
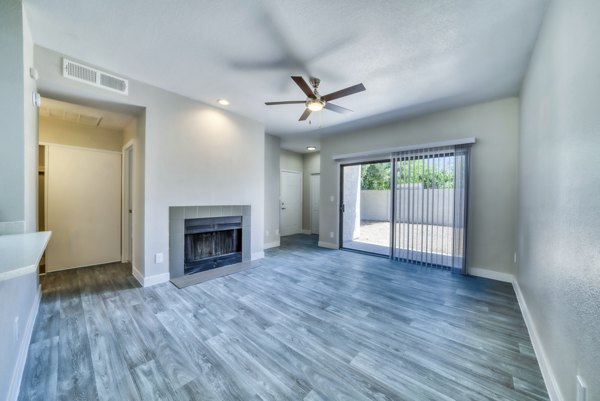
(430, 204)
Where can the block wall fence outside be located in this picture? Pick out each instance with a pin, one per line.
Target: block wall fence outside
(436, 205)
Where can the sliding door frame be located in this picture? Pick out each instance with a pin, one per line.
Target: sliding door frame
(341, 205)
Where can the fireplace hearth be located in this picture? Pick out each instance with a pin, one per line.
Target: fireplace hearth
(212, 242)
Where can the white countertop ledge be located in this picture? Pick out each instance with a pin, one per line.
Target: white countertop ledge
(20, 254)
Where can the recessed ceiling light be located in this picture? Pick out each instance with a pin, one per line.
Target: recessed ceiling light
(223, 102)
(311, 148)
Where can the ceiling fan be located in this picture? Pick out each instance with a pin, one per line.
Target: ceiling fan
(316, 102)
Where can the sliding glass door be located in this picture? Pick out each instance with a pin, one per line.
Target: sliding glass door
(422, 220)
(366, 207)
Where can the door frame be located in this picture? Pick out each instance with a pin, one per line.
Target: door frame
(127, 198)
(341, 204)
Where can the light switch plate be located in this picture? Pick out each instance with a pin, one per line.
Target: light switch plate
(158, 258)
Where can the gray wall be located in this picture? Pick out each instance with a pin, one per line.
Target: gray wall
(18, 297)
(18, 125)
(30, 135)
(493, 175)
(272, 181)
(311, 164)
(559, 182)
(290, 161)
(195, 155)
(18, 178)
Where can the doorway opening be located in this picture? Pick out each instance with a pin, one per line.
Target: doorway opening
(365, 223)
(86, 184)
(127, 206)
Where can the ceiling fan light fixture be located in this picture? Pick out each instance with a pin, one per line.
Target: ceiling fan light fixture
(315, 104)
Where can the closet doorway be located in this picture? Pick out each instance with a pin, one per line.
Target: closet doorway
(86, 184)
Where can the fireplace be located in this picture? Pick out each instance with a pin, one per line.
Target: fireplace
(212, 242)
(186, 222)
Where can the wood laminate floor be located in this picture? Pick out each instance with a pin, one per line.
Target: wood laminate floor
(306, 324)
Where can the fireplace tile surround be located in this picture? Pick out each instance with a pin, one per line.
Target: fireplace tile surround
(177, 216)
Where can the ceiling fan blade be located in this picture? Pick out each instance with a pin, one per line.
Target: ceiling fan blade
(344, 92)
(286, 102)
(305, 115)
(304, 86)
(337, 109)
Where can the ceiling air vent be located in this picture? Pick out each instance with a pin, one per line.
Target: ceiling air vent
(92, 76)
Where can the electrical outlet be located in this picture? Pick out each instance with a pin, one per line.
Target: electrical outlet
(16, 329)
(331, 234)
(581, 389)
(277, 232)
(515, 257)
(331, 198)
(158, 258)
(267, 233)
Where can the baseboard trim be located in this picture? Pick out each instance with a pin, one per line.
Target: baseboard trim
(270, 245)
(15, 385)
(307, 232)
(138, 276)
(257, 255)
(547, 373)
(150, 280)
(491, 274)
(330, 245)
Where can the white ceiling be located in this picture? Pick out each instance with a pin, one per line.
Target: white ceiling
(79, 114)
(413, 56)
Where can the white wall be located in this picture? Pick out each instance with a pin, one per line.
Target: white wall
(195, 155)
(272, 182)
(87, 136)
(559, 182)
(493, 203)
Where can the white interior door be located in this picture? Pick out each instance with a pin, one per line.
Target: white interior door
(291, 202)
(315, 195)
(84, 207)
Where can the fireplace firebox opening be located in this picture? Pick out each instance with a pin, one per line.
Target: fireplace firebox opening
(212, 242)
